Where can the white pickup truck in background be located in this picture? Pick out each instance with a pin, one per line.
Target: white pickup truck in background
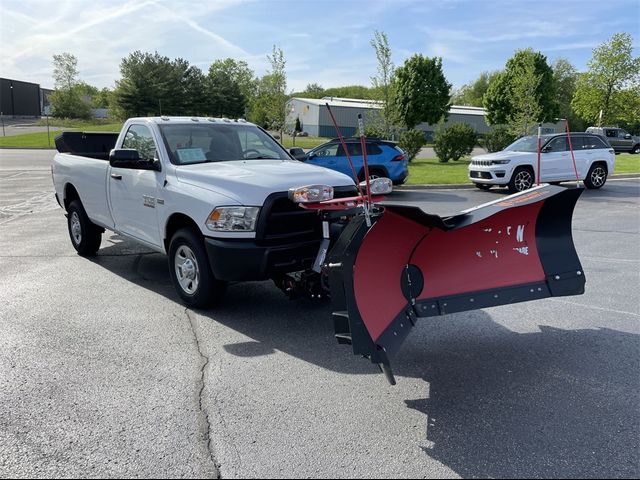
(212, 194)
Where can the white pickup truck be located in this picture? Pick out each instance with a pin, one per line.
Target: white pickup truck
(212, 194)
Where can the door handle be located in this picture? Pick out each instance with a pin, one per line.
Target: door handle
(115, 176)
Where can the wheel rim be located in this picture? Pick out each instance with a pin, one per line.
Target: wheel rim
(598, 176)
(523, 180)
(76, 228)
(187, 270)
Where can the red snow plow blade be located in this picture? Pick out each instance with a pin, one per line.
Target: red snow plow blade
(411, 264)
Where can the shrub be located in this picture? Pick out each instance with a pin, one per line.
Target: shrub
(411, 142)
(498, 139)
(455, 142)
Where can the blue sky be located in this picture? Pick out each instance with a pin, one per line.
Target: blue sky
(326, 42)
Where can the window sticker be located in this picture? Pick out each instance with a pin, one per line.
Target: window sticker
(191, 155)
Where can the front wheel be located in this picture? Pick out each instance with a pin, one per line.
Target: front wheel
(636, 149)
(190, 271)
(522, 179)
(596, 177)
(85, 235)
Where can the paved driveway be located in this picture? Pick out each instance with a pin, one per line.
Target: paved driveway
(103, 373)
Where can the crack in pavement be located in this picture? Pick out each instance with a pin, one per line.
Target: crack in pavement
(204, 361)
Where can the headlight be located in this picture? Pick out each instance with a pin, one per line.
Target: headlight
(233, 219)
(311, 194)
(499, 162)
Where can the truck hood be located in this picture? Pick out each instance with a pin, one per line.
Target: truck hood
(250, 182)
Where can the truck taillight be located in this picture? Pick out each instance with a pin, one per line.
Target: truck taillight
(397, 158)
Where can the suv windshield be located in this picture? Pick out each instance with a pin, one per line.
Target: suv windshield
(215, 142)
(524, 144)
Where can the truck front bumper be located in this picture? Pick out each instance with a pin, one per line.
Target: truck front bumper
(240, 260)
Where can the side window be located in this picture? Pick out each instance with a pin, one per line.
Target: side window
(139, 138)
(354, 149)
(596, 142)
(610, 133)
(328, 151)
(373, 149)
(578, 143)
(558, 144)
(621, 133)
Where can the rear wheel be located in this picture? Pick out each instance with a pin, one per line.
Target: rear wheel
(521, 179)
(597, 176)
(85, 235)
(190, 271)
(483, 186)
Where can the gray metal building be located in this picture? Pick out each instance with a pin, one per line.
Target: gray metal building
(315, 120)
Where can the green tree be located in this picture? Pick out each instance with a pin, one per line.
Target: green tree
(269, 106)
(383, 81)
(352, 91)
(68, 100)
(411, 141)
(565, 76)
(499, 101)
(525, 106)
(237, 72)
(454, 142)
(224, 94)
(472, 94)
(152, 84)
(313, 90)
(422, 92)
(612, 70)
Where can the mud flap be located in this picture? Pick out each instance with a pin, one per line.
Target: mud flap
(411, 264)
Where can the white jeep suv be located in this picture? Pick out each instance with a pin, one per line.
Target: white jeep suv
(516, 166)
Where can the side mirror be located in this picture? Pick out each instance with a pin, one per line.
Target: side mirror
(627, 136)
(130, 158)
(546, 149)
(297, 153)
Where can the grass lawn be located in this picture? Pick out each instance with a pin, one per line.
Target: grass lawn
(303, 142)
(430, 171)
(39, 140)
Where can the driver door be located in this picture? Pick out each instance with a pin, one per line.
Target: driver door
(133, 193)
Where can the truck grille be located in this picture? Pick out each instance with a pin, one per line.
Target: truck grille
(282, 221)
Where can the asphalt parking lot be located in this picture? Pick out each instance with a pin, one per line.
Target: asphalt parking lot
(103, 373)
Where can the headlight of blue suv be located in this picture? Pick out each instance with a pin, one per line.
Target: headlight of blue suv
(499, 162)
(233, 219)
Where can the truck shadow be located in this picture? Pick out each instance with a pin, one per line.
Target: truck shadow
(554, 403)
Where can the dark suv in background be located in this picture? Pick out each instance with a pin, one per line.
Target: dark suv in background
(619, 139)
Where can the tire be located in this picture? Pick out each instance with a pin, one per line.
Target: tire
(85, 235)
(636, 149)
(522, 179)
(483, 186)
(596, 176)
(190, 270)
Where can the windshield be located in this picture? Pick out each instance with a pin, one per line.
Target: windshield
(216, 142)
(524, 144)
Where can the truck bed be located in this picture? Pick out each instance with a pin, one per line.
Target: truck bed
(87, 144)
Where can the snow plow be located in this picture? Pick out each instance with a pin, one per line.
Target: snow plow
(392, 265)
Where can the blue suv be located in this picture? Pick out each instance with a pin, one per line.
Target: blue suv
(385, 158)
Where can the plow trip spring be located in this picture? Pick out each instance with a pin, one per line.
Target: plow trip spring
(410, 264)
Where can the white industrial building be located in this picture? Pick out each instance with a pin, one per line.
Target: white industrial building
(315, 120)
